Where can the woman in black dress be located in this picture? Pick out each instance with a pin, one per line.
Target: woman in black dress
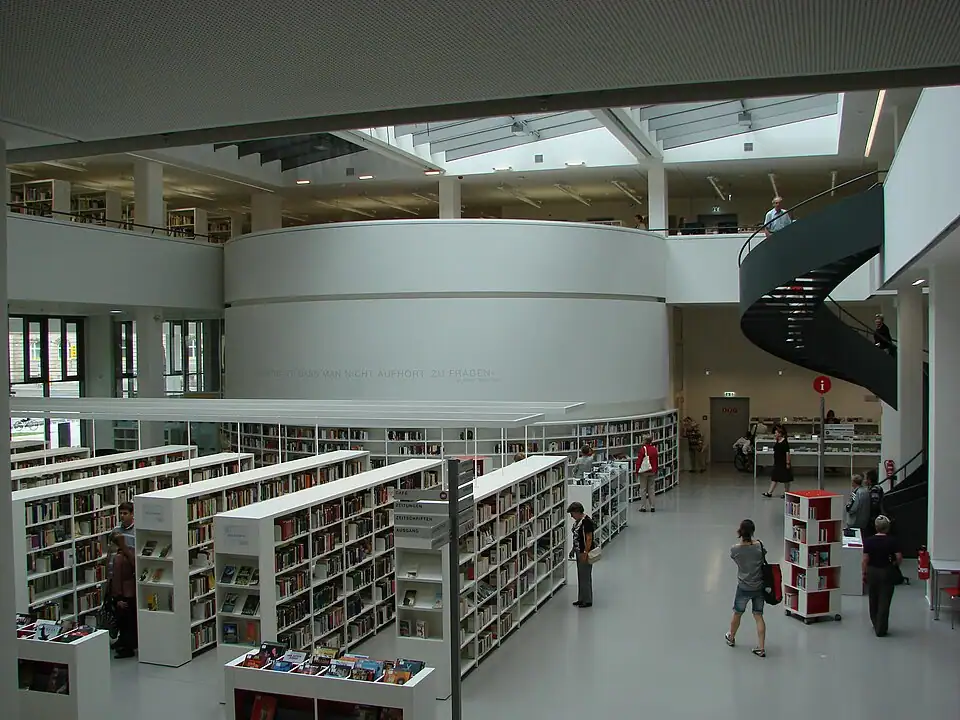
(782, 472)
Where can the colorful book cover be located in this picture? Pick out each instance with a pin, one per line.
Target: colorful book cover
(229, 602)
(396, 677)
(228, 574)
(230, 633)
(341, 668)
(411, 666)
(243, 575)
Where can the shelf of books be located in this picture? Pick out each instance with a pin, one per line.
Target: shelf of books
(850, 444)
(219, 229)
(21, 445)
(515, 558)
(41, 197)
(275, 682)
(103, 465)
(604, 496)
(176, 587)
(36, 458)
(813, 540)
(330, 551)
(63, 673)
(61, 532)
(187, 222)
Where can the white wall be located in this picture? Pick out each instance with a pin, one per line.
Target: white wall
(921, 193)
(509, 310)
(52, 261)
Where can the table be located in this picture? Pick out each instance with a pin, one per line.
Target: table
(937, 566)
(851, 564)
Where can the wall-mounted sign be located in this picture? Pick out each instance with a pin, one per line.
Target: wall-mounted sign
(729, 393)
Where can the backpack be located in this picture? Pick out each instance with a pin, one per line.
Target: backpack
(876, 501)
(772, 580)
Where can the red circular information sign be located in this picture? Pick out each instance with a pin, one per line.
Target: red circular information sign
(822, 384)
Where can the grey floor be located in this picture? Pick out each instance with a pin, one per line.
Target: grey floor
(652, 645)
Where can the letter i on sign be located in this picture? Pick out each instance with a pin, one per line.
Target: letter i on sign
(822, 384)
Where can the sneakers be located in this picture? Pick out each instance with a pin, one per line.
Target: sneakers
(731, 641)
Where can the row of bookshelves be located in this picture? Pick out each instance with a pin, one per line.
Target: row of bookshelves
(604, 495)
(66, 470)
(47, 456)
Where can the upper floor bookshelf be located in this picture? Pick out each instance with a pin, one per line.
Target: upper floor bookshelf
(49, 456)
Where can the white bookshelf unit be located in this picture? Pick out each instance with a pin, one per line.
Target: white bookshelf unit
(36, 458)
(60, 532)
(515, 559)
(187, 222)
(812, 546)
(330, 551)
(20, 445)
(84, 665)
(104, 465)
(604, 496)
(849, 445)
(176, 525)
(46, 198)
(326, 697)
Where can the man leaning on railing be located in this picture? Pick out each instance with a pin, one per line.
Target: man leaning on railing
(777, 218)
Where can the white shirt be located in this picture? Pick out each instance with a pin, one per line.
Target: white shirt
(776, 220)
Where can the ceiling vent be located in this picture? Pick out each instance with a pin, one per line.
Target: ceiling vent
(351, 172)
(748, 147)
(518, 128)
(538, 158)
(743, 119)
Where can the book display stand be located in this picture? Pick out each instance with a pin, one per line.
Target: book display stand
(813, 539)
(23, 445)
(90, 467)
(61, 532)
(176, 586)
(65, 677)
(267, 692)
(34, 458)
(326, 555)
(604, 498)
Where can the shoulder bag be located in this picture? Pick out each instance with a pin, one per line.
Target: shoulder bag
(645, 465)
(595, 552)
(772, 579)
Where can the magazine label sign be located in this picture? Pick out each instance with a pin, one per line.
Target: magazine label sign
(415, 532)
(428, 494)
(152, 515)
(235, 537)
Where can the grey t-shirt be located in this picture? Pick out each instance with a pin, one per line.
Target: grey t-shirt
(749, 560)
(583, 465)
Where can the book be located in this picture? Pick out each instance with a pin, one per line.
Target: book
(251, 605)
(341, 668)
(144, 575)
(281, 666)
(404, 628)
(149, 548)
(410, 598)
(77, 633)
(438, 600)
(273, 650)
(411, 666)
(315, 666)
(230, 633)
(165, 550)
(255, 577)
(243, 575)
(229, 602)
(413, 571)
(264, 708)
(422, 630)
(47, 630)
(25, 619)
(226, 577)
(329, 653)
(369, 670)
(396, 677)
(157, 575)
(294, 656)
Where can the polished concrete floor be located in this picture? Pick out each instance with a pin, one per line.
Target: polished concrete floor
(652, 645)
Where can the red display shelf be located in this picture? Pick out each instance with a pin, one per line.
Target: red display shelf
(813, 493)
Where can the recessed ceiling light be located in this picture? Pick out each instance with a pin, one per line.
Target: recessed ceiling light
(503, 169)
(303, 182)
(575, 164)
(921, 281)
(433, 172)
(364, 177)
(116, 312)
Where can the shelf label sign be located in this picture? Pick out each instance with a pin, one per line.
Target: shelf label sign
(151, 515)
(235, 537)
(413, 495)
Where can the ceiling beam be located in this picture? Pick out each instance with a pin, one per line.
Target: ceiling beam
(387, 150)
(629, 133)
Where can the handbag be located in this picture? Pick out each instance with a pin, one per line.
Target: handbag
(594, 555)
(772, 580)
(645, 465)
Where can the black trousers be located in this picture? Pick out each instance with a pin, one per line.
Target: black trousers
(126, 624)
(880, 592)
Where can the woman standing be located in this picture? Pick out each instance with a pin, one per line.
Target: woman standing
(881, 558)
(583, 465)
(647, 465)
(782, 471)
(748, 555)
(583, 529)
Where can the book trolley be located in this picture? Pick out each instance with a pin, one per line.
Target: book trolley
(604, 498)
(33, 458)
(176, 585)
(330, 553)
(66, 677)
(812, 545)
(104, 465)
(60, 532)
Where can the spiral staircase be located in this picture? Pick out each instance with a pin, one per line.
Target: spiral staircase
(786, 309)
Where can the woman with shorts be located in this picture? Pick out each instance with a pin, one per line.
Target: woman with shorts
(748, 555)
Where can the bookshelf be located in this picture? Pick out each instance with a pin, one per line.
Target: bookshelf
(515, 558)
(604, 497)
(41, 197)
(103, 465)
(187, 222)
(330, 550)
(36, 458)
(102, 208)
(312, 697)
(60, 532)
(23, 445)
(812, 544)
(79, 689)
(176, 585)
(850, 445)
(219, 229)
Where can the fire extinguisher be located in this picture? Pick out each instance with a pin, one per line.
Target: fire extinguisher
(890, 468)
(923, 563)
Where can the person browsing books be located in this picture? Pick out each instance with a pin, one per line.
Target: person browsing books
(122, 583)
(647, 466)
(881, 565)
(583, 465)
(748, 555)
(583, 529)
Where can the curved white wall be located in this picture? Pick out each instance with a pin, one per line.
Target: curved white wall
(448, 310)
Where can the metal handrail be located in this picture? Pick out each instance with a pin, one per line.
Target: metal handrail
(799, 205)
(105, 222)
(902, 469)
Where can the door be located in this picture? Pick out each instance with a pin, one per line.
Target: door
(729, 421)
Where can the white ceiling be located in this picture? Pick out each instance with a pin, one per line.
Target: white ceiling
(90, 70)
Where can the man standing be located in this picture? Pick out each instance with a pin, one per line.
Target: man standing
(777, 218)
(881, 335)
(123, 583)
(858, 506)
(690, 430)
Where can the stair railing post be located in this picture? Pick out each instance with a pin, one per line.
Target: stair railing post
(821, 443)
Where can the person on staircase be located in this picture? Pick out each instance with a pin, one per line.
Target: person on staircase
(782, 471)
(776, 218)
(882, 337)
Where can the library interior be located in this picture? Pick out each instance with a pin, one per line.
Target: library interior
(353, 363)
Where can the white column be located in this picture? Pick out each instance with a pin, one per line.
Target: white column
(450, 198)
(148, 206)
(266, 212)
(114, 208)
(100, 379)
(9, 698)
(943, 535)
(911, 336)
(657, 197)
(236, 224)
(150, 381)
(61, 199)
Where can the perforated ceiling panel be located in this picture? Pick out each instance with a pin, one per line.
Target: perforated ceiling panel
(95, 69)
